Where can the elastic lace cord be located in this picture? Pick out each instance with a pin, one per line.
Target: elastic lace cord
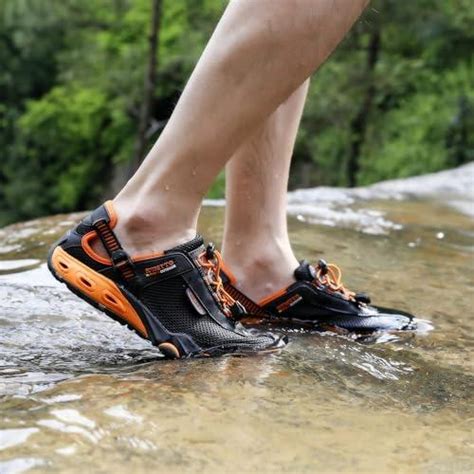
(332, 279)
(213, 277)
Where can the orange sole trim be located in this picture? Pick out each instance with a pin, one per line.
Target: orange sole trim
(271, 297)
(97, 287)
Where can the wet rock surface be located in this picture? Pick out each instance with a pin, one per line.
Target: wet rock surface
(78, 390)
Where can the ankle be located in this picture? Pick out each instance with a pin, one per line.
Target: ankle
(145, 228)
(261, 269)
(145, 233)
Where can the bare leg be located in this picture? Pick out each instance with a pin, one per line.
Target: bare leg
(260, 52)
(256, 246)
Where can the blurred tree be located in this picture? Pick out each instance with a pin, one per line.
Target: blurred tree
(396, 98)
(148, 89)
(358, 124)
(397, 112)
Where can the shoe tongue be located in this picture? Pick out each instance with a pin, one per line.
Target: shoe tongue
(189, 247)
(305, 271)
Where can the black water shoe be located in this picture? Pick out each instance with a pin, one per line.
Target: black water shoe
(318, 297)
(175, 299)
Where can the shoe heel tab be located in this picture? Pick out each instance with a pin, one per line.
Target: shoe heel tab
(106, 213)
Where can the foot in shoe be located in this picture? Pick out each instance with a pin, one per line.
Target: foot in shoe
(318, 296)
(174, 298)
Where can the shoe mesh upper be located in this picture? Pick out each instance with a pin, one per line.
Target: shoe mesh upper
(168, 301)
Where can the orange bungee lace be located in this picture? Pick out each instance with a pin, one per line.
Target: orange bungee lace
(211, 261)
(330, 276)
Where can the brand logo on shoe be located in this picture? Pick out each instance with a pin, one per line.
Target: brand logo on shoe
(290, 302)
(160, 268)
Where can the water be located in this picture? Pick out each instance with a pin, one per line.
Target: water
(78, 391)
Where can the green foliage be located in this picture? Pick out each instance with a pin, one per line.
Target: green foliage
(71, 84)
(218, 188)
(422, 101)
(414, 137)
(61, 161)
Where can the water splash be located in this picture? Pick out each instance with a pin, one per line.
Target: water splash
(351, 207)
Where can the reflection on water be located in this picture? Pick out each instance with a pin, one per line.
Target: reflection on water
(76, 388)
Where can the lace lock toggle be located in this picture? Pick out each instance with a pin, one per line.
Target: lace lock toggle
(322, 266)
(210, 249)
(362, 298)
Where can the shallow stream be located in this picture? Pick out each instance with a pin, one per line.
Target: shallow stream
(79, 392)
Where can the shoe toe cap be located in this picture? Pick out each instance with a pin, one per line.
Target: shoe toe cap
(379, 319)
(371, 319)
